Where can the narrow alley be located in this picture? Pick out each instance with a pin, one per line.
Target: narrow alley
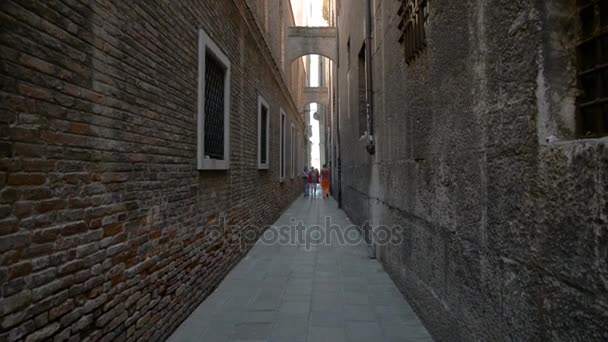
(156, 158)
(320, 292)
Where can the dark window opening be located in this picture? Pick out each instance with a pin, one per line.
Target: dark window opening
(362, 92)
(592, 68)
(282, 146)
(348, 54)
(214, 107)
(292, 150)
(263, 135)
(414, 15)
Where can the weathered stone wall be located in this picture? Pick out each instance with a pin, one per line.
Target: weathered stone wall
(311, 40)
(103, 213)
(505, 235)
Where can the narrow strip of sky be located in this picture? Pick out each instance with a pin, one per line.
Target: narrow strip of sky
(315, 18)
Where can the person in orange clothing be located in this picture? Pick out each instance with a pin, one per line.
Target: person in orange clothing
(325, 181)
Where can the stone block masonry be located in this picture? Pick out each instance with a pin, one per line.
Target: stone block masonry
(504, 231)
(103, 212)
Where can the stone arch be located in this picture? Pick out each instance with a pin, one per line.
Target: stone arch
(315, 95)
(305, 40)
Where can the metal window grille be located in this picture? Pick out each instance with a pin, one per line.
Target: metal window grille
(362, 92)
(292, 151)
(214, 107)
(282, 166)
(348, 53)
(414, 14)
(592, 67)
(263, 135)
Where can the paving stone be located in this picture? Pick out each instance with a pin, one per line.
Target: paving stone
(286, 293)
(295, 307)
(297, 297)
(252, 331)
(323, 334)
(327, 319)
(258, 317)
(363, 331)
(355, 298)
(359, 313)
(405, 332)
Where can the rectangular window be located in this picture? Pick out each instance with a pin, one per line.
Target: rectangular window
(362, 92)
(299, 152)
(292, 137)
(282, 146)
(414, 15)
(213, 119)
(263, 136)
(264, 14)
(348, 54)
(592, 68)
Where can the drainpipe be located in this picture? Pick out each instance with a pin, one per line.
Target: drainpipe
(371, 145)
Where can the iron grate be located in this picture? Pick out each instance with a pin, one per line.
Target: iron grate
(414, 15)
(282, 166)
(592, 68)
(263, 135)
(214, 107)
(362, 92)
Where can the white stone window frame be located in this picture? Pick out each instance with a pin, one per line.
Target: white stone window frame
(292, 146)
(298, 153)
(206, 44)
(282, 124)
(263, 102)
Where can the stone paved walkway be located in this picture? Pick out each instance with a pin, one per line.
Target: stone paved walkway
(288, 293)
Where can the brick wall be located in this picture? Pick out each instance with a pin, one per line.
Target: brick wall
(103, 214)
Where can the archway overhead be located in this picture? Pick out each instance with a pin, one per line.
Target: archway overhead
(318, 95)
(306, 40)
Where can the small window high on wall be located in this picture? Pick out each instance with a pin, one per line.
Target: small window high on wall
(213, 119)
(263, 136)
(362, 92)
(282, 124)
(292, 143)
(592, 68)
(414, 15)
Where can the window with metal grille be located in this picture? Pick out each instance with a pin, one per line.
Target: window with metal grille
(362, 92)
(348, 53)
(263, 129)
(414, 15)
(213, 106)
(282, 146)
(264, 14)
(592, 68)
(292, 137)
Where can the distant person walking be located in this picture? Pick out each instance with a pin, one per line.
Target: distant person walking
(305, 178)
(314, 180)
(309, 181)
(325, 174)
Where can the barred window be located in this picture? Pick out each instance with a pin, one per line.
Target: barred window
(414, 15)
(592, 68)
(282, 146)
(264, 14)
(213, 106)
(292, 137)
(263, 136)
(362, 92)
(299, 152)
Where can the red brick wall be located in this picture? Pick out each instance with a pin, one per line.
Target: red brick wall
(102, 209)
